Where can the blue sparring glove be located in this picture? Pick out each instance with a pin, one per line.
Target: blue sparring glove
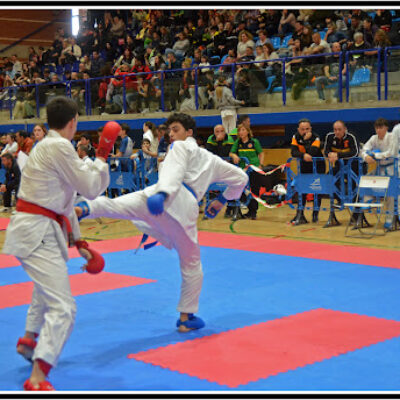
(85, 209)
(155, 203)
(212, 212)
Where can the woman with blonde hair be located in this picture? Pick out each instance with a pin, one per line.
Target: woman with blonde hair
(226, 103)
(245, 40)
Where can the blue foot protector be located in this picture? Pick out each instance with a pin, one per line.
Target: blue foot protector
(192, 323)
(85, 209)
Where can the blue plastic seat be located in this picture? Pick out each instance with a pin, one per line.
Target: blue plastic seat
(276, 42)
(286, 40)
(270, 79)
(360, 76)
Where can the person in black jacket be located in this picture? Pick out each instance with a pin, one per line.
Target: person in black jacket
(13, 177)
(306, 145)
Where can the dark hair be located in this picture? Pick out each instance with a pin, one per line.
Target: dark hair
(9, 156)
(381, 122)
(150, 125)
(86, 136)
(125, 127)
(184, 119)
(304, 120)
(242, 118)
(23, 133)
(60, 111)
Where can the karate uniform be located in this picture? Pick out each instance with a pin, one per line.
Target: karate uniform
(51, 178)
(176, 227)
(389, 147)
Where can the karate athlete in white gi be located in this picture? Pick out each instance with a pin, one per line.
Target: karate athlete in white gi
(168, 210)
(380, 148)
(37, 233)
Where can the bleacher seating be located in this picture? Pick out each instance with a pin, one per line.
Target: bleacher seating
(360, 76)
(276, 42)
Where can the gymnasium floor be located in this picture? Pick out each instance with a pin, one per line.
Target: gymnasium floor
(286, 309)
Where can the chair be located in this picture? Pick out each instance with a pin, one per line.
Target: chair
(360, 76)
(276, 42)
(369, 185)
(285, 40)
(270, 79)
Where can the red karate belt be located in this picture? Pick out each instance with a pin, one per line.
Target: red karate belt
(62, 220)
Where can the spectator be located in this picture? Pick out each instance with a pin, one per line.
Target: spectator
(83, 153)
(181, 46)
(305, 146)
(287, 22)
(17, 65)
(380, 149)
(126, 145)
(149, 132)
(39, 132)
(219, 143)
(11, 184)
(11, 146)
(163, 142)
(359, 59)
(243, 119)
(226, 103)
(270, 54)
(333, 35)
(369, 29)
(171, 82)
(117, 29)
(262, 38)
(71, 53)
(297, 33)
(270, 21)
(96, 64)
(318, 46)
(85, 140)
(383, 19)
(249, 147)
(25, 143)
(245, 40)
(331, 74)
(342, 145)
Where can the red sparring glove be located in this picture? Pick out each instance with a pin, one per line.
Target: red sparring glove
(95, 261)
(107, 139)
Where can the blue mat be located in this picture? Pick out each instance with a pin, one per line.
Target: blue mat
(240, 289)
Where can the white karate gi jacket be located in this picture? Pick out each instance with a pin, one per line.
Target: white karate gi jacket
(51, 178)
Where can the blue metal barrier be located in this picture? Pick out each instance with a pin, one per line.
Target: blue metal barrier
(122, 175)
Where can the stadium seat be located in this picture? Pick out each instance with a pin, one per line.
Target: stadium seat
(276, 42)
(75, 66)
(360, 76)
(322, 34)
(286, 40)
(270, 79)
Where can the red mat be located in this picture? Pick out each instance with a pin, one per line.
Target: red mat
(248, 354)
(320, 251)
(297, 248)
(103, 246)
(4, 223)
(20, 293)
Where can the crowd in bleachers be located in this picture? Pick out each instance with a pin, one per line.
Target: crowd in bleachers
(115, 43)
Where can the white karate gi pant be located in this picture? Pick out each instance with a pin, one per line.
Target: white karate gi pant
(52, 310)
(168, 231)
(228, 120)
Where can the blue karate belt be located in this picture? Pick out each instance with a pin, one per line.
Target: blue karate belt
(145, 236)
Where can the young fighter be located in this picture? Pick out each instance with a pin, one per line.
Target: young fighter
(168, 210)
(37, 233)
